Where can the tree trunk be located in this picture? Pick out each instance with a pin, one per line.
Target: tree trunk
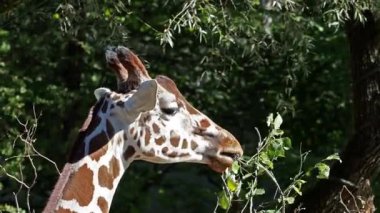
(349, 188)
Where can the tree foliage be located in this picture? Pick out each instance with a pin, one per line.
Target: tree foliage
(237, 61)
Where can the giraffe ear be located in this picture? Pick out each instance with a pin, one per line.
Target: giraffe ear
(145, 98)
(101, 92)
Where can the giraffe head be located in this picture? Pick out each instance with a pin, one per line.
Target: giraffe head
(157, 123)
(144, 119)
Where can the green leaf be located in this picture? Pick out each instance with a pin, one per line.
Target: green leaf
(275, 151)
(235, 167)
(277, 132)
(56, 16)
(270, 119)
(265, 160)
(247, 176)
(270, 211)
(232, 184)
(334, 156)
(277, 122)
(289, 200)
(323, 170)
(223, 200)
(297, 190)
(259, 191)
(287, 142)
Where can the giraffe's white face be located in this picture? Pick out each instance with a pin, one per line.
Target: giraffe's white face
(160, 126)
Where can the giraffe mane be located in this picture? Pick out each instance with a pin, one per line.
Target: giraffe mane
(58, 188)
(89, 124)
(73, 157)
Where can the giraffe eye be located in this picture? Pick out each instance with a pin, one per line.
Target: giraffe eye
(169, 111)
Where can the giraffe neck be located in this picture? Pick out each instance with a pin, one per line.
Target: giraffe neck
(88, 182)
(93, 182)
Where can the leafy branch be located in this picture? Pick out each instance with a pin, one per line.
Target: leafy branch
(243, 182)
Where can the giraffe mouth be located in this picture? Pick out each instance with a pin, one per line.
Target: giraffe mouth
(234, 156)
(223, 160)
(223, 152)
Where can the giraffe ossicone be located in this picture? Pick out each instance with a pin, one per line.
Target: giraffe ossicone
(145, 119)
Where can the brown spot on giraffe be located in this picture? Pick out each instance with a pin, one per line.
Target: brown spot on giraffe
(204, 123)
(98, 146)
(147, 119)
(110, 129)
(120, 103)
(120, 140)
(103, 205)
(165, 150)
(135, 136)
(184, 154)
(132, 131)
(125, 135)
(62, 210)
(159, 141)
(150, 153)
(91, 123)
(156, 129)
(184, 144)
(104, 107)
(194, 145)
(80, 186)
(114, 167)
(107, 175)
(129, 152)
(103, 178)
(174, 141)
(172, 154)
(95, 122)
(147, 136)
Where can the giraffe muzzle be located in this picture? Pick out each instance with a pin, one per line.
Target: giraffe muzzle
(228, 149)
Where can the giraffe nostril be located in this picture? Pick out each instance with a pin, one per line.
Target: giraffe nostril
(209, 134)
(204, 133)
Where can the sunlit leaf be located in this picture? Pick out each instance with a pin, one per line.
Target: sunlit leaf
(232, 184)
(259, 191)
(265, 160)
(277, 122)
(223, 200)
(334, 156)
(297, 190)
(235, 167)
(289, 200)
(270, 119)
(323, 170)
(287, 142)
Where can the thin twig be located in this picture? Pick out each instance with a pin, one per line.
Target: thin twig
(352, 196)
(27, 138)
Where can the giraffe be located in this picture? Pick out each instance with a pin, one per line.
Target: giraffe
(144, 119)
